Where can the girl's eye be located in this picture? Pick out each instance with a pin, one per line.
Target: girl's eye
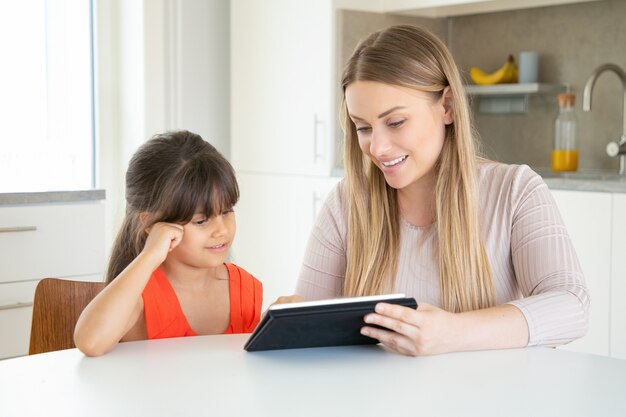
(230, 210)
(200, 222)
(396, 123)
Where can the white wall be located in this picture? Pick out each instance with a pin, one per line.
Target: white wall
(201, 70)
(160, 65)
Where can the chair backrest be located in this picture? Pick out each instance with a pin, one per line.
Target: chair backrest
(56, 308)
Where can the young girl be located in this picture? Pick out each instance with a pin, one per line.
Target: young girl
(479, 244)
(167, 276)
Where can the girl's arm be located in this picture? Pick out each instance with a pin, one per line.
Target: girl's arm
(116, 309)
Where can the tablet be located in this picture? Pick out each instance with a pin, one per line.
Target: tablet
(333, 322)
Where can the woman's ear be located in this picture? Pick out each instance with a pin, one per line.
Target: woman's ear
(446, 101)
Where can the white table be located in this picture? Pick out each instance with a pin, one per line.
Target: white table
(213, 375)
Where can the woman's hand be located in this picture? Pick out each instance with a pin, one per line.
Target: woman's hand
(162, 239)
(285, 299)
(430, 330)
(426, 331)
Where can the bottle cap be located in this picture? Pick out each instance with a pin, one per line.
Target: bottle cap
(566, 99)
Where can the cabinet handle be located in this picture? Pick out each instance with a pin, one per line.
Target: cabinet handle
(316, 201)
(317, 123)
(16, 305)
(18, 229)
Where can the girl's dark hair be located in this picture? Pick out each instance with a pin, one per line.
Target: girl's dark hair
(170, 178)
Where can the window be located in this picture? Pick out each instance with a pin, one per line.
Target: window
(46, 99)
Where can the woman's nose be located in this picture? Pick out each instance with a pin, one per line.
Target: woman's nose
(379, 144)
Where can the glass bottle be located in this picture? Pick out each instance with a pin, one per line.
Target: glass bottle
(565, 151)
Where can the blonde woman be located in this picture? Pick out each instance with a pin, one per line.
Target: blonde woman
(479, 244)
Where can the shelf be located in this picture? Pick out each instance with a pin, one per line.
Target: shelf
(509, 98)
(445, 8)
(514, 89)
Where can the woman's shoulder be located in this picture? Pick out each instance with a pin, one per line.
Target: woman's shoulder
(338, 194)
(336, 202)
(516, 179)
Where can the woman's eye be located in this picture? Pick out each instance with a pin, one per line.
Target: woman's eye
(363, 129)
(396, 123)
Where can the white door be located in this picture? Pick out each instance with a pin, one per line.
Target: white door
(618, 278)
(281, 67)
(587, 217)
(274, 219)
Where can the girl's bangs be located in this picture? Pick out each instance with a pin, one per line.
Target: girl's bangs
(203, 188)
(218, 197)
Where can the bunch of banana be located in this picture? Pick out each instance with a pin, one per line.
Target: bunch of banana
(507, 73)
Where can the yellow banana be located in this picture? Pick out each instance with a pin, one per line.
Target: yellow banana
(515, 73)
(507, 73)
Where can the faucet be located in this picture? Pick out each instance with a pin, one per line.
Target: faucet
(613, 148)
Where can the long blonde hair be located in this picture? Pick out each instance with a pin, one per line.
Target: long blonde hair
(413, 57)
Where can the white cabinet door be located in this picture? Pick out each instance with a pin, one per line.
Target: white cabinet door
(51, 240)
(15, 328)
(587, 216)
(281, 67)
(274, 218)
(618, 278)
(60, 240)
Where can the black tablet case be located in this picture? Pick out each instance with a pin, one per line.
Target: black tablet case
(316, 326)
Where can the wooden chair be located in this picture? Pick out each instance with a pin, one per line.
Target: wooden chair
(56, 308)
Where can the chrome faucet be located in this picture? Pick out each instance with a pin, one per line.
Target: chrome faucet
(613, 148)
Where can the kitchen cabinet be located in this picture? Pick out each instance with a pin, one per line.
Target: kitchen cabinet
(446, 8)
(62, 240)
(282, 116)
(275, 216)
(591, 236)
(16, 311)
(618, 277)
(281, 86)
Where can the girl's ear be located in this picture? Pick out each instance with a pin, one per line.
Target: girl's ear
(144, 219)
(446, 101)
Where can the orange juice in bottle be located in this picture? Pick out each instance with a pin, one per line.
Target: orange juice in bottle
(565, 151)
(564, 160)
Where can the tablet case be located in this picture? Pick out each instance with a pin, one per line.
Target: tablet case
(312, 324)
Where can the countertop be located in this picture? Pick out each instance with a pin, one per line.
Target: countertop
(595, 181)
(7, 199)
(598, 181)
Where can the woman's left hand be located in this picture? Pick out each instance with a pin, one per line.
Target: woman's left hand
(426, 331)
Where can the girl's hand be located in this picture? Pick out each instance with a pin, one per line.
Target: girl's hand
(426, 331)
(162, 239)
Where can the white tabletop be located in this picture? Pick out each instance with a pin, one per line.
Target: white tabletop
(213, 375)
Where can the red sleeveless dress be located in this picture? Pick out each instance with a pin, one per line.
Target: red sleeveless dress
(164, 315)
